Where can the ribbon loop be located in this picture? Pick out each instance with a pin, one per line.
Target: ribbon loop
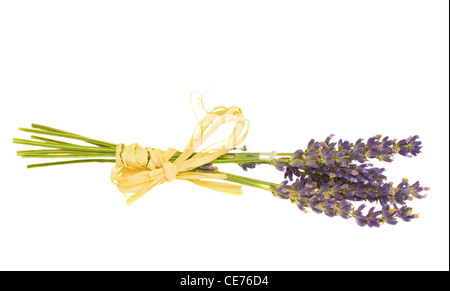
(138, 169)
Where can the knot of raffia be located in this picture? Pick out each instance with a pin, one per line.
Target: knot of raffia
(139, 169)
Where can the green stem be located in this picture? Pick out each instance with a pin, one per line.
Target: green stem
(92, 141)
(50, 140)
(71, 136)
(245, 180)
(253, 181)
(247, 183)
(227, 161)
(63, 146)
(81, 155)
(71, 162)
(51, 152)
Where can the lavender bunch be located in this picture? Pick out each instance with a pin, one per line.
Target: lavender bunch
(326, 177)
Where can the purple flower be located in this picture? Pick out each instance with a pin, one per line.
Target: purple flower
(388, 214)
(406, 213)
(344, 209)
(372, 218)
(280, 166)
(331, 207)
(416, 189)
(360, 218)
(409, 147)
(283, 191)
(246, 166)
(208, 167)
(297, 154)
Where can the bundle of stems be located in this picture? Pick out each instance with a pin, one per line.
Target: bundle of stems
(99, 151)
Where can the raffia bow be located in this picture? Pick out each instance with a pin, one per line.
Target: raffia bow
(139, 169)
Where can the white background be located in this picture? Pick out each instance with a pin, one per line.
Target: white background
(123, 71)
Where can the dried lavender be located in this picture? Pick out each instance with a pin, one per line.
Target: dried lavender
(334, 178)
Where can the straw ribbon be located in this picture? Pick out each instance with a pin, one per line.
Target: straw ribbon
(139, 169)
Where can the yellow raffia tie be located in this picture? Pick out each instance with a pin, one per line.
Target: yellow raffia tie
(139, 169)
